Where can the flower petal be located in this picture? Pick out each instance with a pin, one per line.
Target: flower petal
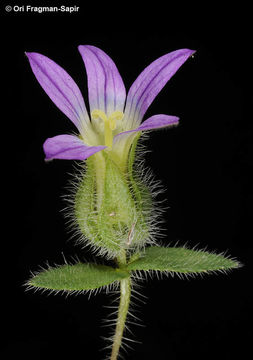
(60, 87)
(158, 121)
(152, 123)
(149, 83)
(68, 147)
(106, 88)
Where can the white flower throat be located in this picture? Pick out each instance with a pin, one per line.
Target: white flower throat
(109, 124)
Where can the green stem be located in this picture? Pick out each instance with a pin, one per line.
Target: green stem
(125, 293)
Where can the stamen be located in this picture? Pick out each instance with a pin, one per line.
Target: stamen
(116, 115)
(98, 114)
(109, 123)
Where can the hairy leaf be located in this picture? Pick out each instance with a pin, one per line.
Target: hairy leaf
(77, 277)
(181, 260)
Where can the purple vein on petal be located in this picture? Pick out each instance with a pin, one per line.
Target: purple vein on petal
(105, 85)
(60, 87)
(154, 122)
(68, 147)
(150, 82)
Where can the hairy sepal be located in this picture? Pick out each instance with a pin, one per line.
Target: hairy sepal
(111, 208)
(182, 261)
(77, 278)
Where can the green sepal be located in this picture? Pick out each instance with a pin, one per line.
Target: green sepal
(112, 208)
(182, 260)
(78, 277)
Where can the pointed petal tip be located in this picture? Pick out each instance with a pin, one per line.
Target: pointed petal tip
(34, 57)
(31, 54)
(28, 54)
(187, 52)
(192, 51)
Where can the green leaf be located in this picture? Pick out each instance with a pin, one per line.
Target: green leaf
(182, 260)
(78, 277)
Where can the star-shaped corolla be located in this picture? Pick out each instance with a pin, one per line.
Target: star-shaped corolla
(114, 119)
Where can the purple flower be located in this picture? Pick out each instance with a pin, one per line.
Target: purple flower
(114, 119)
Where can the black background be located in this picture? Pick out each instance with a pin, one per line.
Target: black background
(205, 164)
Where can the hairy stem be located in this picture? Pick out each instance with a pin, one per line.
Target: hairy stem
(125, 292)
